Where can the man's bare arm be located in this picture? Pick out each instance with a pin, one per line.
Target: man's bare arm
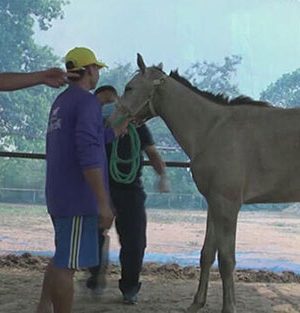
(53, 77)
(159, 166)
(94, 178)
(155, 160)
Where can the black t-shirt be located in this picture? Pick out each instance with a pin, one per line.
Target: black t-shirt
(124, 152)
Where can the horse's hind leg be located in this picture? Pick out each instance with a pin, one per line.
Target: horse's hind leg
(208, 254)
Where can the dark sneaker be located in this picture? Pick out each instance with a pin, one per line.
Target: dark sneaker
(94, 286)
(130, 298)
(96, 281)
(92, 282)
(130, 295)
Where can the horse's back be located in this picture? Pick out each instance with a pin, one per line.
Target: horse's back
(254, 155)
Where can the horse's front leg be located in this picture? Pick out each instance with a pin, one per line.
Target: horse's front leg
(208, 254)
(224, 216)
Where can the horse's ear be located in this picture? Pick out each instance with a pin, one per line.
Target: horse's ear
(160, 66)
(140, 63)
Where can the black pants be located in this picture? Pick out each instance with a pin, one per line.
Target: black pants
(95, 270)
(131, 228)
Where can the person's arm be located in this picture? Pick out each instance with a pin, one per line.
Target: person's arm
(94, 177)
(53, 77)
(110, 133)
(159, 166)
(90, 156)
(118, 123)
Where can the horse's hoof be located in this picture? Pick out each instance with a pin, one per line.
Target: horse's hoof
(231, 310)
(194, 308)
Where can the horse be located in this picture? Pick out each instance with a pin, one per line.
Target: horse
(241, 151)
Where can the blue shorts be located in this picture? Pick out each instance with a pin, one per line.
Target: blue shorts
(76, 242)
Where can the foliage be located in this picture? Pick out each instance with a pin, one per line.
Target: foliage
(117, 76)
(210, 76)
(18, 50)
(285, 92)
(24, 114)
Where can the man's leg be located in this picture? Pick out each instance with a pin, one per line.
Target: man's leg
(93, 281)
(58, 290)
(131, 228)
(76, 246)
(45, 303)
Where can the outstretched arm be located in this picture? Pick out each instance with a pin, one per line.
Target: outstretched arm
(159, 167)
(53, 77)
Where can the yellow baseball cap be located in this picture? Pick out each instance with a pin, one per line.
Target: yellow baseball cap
(79, 57)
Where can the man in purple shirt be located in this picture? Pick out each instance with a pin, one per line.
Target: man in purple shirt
(77, 192)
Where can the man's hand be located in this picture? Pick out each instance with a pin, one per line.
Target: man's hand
(121, 127)
(55, 77)
(163, 185)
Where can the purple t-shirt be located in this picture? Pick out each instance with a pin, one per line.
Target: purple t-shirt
(76, 141)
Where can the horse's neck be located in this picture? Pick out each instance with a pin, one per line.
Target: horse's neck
(188, 115)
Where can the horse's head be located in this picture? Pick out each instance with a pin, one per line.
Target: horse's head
(140, 92)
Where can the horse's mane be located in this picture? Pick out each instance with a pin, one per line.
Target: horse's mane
(219, 98)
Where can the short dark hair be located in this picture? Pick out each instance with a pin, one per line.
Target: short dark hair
(106, 88)
(69, 66)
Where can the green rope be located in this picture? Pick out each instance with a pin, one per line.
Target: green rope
(133, 160)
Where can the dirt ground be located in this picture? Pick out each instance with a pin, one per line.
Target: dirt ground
(267, 236)
(270, 239)
(166, 288)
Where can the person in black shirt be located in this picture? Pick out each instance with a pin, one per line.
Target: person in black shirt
(129, 204)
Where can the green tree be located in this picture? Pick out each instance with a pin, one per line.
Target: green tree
(24, 114)
(211, 76)
(117, 76)
(285, 92)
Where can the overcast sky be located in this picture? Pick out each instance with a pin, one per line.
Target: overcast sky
(266, 33)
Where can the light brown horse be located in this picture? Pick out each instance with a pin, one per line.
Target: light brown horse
(239, 154)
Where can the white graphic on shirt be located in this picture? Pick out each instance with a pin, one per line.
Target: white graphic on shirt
(54, 121)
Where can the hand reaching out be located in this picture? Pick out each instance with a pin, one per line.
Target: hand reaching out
(56, 77)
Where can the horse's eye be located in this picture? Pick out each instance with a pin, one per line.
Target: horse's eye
(128, 89)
